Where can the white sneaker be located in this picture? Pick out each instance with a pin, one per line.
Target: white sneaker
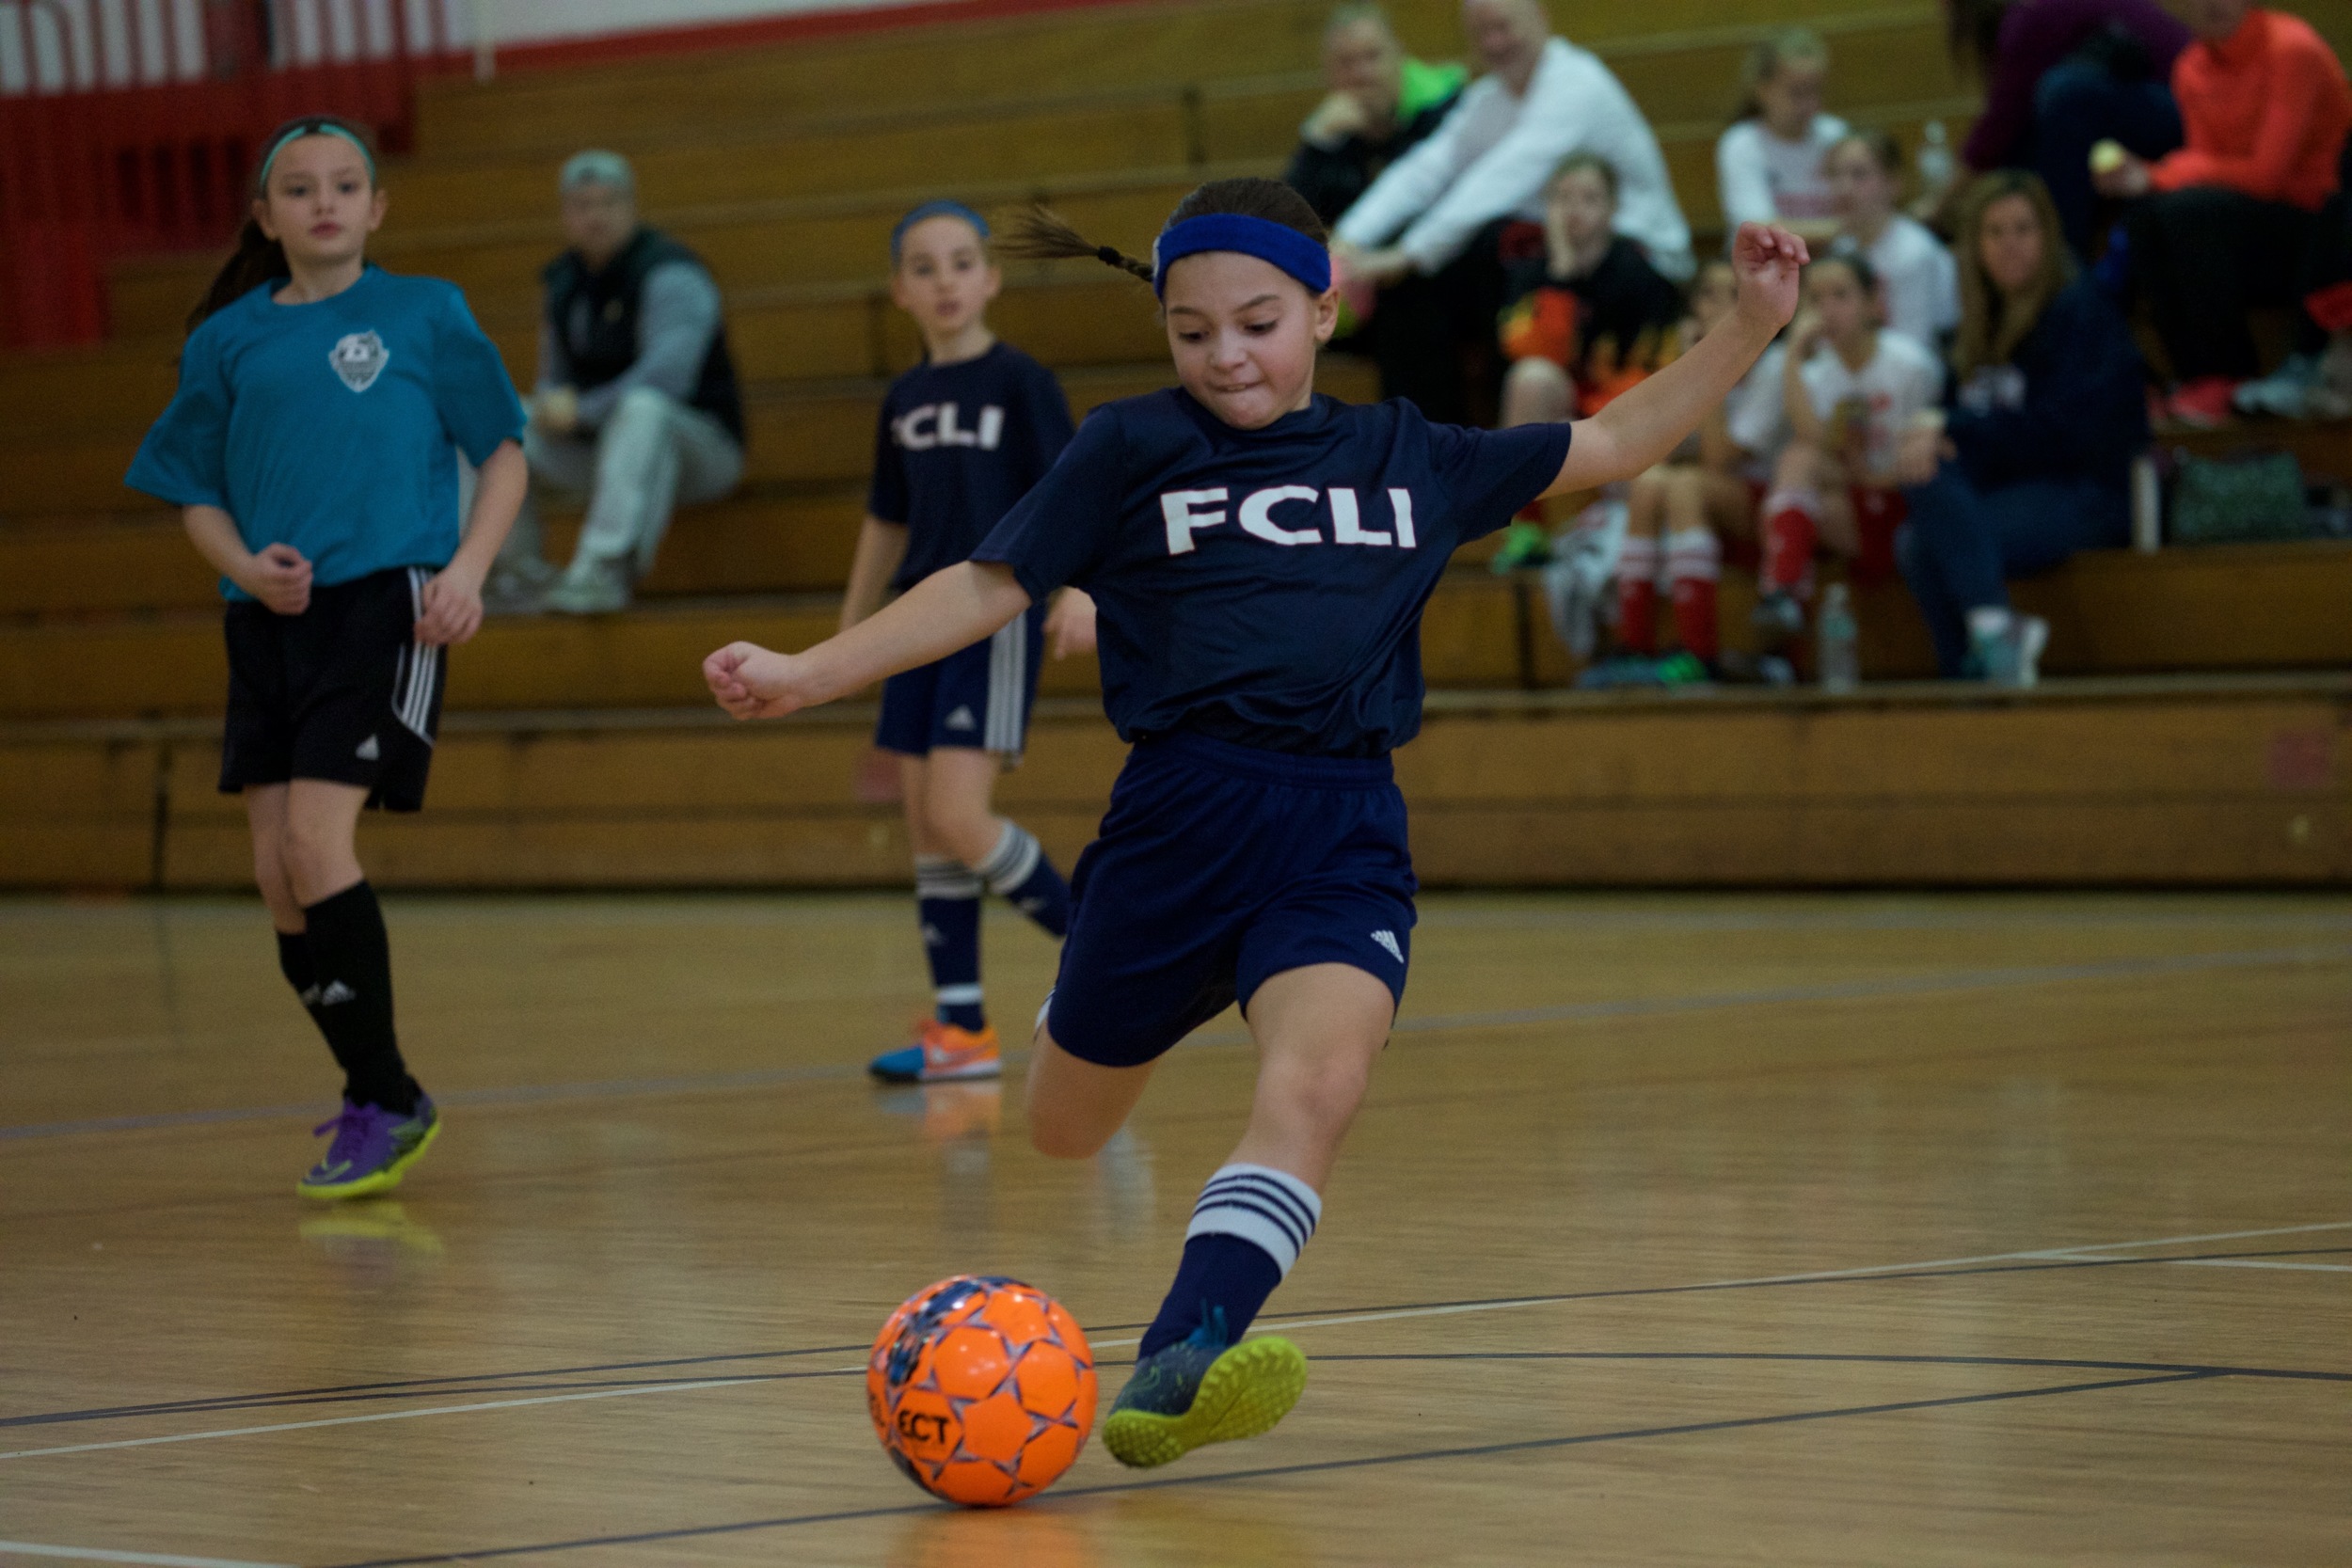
(2283, 393)
(591, 588)
(2012, 656)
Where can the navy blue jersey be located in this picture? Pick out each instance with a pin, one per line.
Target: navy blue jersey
(334, 426)
(958, 445)
(1265, 586)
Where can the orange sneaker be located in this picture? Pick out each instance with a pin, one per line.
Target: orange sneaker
(941, 1054)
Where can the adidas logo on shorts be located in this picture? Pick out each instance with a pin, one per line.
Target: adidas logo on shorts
(961, 720)
(337, 991)
(1388, 940)
(369, 751)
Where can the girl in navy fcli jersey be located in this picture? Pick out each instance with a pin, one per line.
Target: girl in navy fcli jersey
(1260, 557)
(963, 436)
(313, 448)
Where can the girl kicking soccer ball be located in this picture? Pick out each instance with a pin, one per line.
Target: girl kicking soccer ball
(964, 436)
(1260, 557)
(314, 446)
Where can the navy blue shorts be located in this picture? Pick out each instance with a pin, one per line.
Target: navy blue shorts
(1218, 868)
(979, 697)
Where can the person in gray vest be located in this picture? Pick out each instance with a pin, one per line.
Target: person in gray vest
(636, 405)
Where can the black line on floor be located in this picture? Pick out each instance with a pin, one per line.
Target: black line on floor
(1272, 1472)
(2044, 1363)
(469, 1382)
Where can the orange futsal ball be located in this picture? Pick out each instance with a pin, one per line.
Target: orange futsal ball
(982, 1389)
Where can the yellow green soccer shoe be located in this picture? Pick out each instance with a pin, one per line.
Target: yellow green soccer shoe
(1201, 1391)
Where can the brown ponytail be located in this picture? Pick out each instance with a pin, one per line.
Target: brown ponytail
(259, 258)
(1041, 234)
(1044, 235)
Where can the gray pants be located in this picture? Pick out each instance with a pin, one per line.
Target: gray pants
(652, 454)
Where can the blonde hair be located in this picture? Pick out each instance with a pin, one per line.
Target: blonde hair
(1789, 46)
(1991, 324)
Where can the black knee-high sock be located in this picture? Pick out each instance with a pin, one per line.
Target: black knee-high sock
(351, 962)
(1246, 1231)
(294, 962)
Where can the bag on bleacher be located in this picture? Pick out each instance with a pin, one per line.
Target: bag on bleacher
(2237, 501)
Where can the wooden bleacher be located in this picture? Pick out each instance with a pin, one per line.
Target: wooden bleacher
(580, 753)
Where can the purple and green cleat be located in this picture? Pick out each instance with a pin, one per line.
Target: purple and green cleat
(372, 1148)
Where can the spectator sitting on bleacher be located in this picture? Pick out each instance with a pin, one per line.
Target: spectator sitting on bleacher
(1674, 512)
(2031, 460)
(2061, 76)
(636, 405)
(1769, 164)
(1444, 204)
(2225, 223)
(1381, 104)
(1918, 285)
(1590, 316)
(1582, 321)
(1849, 390)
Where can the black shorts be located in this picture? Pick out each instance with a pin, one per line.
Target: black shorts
(343, 692)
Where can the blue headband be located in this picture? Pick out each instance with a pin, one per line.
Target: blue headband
(1274, 243)
(935, 210)
(316, 128)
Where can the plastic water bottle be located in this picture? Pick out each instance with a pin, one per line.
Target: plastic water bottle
(1840, 662)
(1936, 166)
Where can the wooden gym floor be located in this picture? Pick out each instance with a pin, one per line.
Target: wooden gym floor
(1829, 1230)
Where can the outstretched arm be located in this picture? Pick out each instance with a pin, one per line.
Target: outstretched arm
(950, 609)
(1649, 420)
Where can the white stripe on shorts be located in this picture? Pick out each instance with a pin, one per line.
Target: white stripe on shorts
(418, 675)
(1008, 670)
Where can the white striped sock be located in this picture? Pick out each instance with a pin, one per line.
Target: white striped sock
(1011, 861)
(944, 877)
(1270, 1208)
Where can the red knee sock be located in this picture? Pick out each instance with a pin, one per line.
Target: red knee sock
(1693, 562)
(1790, 531)
(1637, 595)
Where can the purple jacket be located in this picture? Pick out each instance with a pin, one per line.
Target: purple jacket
(2038, 34)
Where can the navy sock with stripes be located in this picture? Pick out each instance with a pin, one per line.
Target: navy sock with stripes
(947, 898)
(1019, 871)
(1247, 1229)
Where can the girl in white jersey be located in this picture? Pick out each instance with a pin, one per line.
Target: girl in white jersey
(1849, 389)
(1918, 283)
(1768, 164)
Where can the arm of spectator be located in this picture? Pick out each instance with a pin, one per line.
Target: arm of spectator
(2292, 105)
(1504, 179)
(675, 322)
(1743, 186)
(1796, 398)
(1406, 188)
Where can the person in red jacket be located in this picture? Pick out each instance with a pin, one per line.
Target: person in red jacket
(2223, 224)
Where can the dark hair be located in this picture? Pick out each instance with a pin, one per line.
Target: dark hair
(1043, 235)
(1586, 158)
(1972, 32)
(1789, 46)
(259, 258)
(1884, 149)
(1853, 261)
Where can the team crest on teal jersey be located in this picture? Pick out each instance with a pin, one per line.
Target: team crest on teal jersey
(360, 357)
